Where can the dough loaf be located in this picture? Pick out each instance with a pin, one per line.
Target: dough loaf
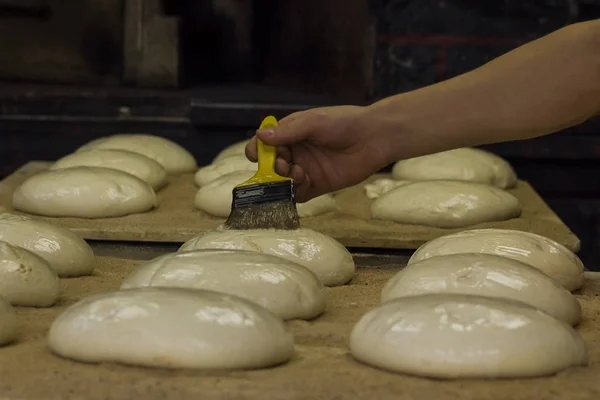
(173, 157)
(171, 328)
(236, 149)
(317, 206)
(135, 164)
(8, 323)
(446, 204)
(465, 164)
(321, 254)
(26, 279)
(287, 289)
(484, 275)
(537, 251)
(68, 254)
(209, 173)
(84, 192)
(379, 187)
(456, 336)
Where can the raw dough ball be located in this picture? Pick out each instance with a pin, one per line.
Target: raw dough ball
(215, 198)
(287, 289)
(171, 328)
(26, 279)
(456, 336)
(446, 204)
(173, 157)
(209, 173)
(465, 164)
(67, 253)
(319, 205)
(84, 192)
(379, 187)
(236, 149)
(324, 256)
(8, 323)
(484, 275)
(537, 251)
(135, 164)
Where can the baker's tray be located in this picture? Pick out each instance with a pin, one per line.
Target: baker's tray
(177, 220)
(321, 369)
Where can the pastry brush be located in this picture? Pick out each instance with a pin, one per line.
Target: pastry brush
(267, 200)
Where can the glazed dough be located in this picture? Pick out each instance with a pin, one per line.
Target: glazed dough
(84, 192)
(171, 328)
(215, 197)
(287, 289)
(456, 336)
(135, 164)
(173, 157)
(537, 251)
(446, 204)
(236, 149)
(67, 253)
(465, 164)
(324, 256)
(379, 187)
(26, 279)
(8, 323)
(209, 173)
(484, 275)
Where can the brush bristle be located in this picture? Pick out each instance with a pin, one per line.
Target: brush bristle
(264, 206)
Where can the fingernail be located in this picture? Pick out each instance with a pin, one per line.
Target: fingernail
(267, 132)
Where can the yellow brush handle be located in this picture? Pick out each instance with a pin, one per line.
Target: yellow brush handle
(267, 155)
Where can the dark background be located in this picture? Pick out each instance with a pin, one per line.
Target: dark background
(204, 72)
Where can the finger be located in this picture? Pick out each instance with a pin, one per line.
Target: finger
(285, 153)
(297, 174)
(296, 130)
(291, 117)
(282, 167)
(303, 190)
(251, 152)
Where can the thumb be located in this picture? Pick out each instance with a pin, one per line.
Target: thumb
(286, 134)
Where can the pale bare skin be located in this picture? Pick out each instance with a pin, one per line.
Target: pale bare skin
(540, 88)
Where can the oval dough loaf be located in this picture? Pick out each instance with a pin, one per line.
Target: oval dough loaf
(465, 164)
(135, 164)
(287, 289)
(379, 187)
(171, 328)
(84, 192)
(324, 256)
(537, 251)
(236, 149)
(215, 197)
(455, 336)
(209, 173)
(68, 254)
(484, 275)
(8, 323)
(26, 279)
(446, 204)
(317, 206)
(173, 157)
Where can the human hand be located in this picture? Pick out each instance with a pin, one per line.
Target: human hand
(325, 149)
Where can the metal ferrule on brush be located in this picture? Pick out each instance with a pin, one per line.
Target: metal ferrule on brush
(264, 193)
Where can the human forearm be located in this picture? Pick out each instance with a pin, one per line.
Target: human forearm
(537, 89)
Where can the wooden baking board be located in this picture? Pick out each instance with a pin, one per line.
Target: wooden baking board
(321, 369)
(177, 220)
